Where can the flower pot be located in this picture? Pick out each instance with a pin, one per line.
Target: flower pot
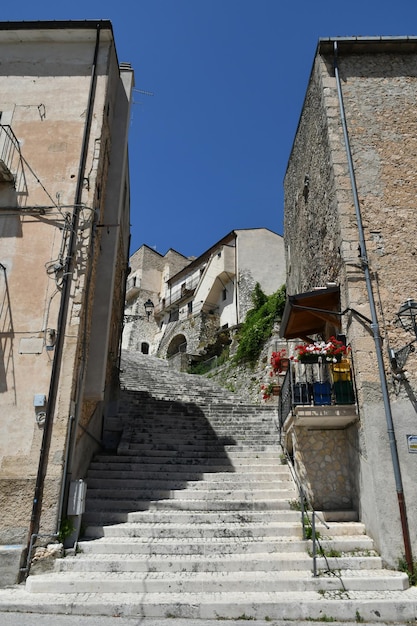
(284, 364)
(276, 390)
(309, 358)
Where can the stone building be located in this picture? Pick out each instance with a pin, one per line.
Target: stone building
(64, 237)
(196, 305)
(148, 272)
(350, 193)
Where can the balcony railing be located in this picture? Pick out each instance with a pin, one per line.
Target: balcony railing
(9, 154)
(178, 294)
(318, 395)
(132, 287)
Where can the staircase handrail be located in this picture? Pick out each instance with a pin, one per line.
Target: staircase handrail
(304, 500)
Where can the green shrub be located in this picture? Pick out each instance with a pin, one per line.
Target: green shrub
(259, 324)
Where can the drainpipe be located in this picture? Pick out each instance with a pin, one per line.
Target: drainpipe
(76, 406)
(237, 281)
(61, 323)
(375, 327)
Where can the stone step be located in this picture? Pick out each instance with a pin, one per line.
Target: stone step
(237, 457)
(187, 449)
(336, 606)
(202, 530)
(243, 462)
(132, 482)
(214, 582)
(199, 546)
(206, 494)
(189, 563)
(334, 529)
(93, 504)
(190, 517)
(185, 474)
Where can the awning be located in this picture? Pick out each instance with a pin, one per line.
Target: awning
(308, 313)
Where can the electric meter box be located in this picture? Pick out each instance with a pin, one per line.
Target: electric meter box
(76, 498)
(39, 400)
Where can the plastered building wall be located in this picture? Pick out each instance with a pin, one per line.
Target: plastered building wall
(70, 177)
(260, 259)
(379, 87)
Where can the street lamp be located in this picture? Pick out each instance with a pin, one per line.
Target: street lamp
(407, 316)
(149, 307)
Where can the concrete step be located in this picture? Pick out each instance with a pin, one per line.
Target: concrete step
(188, 563)
(185, 505)
(257, 464)
(202, 530)
(214, 582)
(198, 546)
(142, 473)
(105, 518)
(336, 606)
(202, 492)
(192, 485)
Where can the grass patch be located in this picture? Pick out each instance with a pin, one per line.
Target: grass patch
(403, 567)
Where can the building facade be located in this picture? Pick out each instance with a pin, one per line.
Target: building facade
(64, 237)
(350, 191)
(197, 305)
(149, 270)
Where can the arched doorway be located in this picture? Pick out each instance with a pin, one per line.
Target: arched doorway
(178, 344)
(144, 347)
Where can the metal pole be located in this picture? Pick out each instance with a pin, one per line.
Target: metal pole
(313, 536)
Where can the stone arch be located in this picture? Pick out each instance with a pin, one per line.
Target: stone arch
(177, 344)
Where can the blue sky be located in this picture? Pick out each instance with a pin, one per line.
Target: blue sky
(208, 150)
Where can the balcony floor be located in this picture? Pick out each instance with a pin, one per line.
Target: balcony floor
(333, 417)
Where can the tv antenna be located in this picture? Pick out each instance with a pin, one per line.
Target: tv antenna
(144, 93)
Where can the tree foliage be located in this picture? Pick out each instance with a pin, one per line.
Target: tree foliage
(259, 323)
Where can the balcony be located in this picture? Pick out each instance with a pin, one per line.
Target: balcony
(132, 287)
(178, 295)
(9, 154)
(318, 395)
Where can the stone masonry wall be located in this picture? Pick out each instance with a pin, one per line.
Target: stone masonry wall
(379, 92)
(322, 462)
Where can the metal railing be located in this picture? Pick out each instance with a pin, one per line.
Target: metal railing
(308, 521)
(319, 384)
(9, 153)
(177, 293)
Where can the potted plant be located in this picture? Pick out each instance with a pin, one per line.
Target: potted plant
(331, 351)
(279, 361)
(272, 388)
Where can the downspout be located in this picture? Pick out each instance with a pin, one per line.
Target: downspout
(237, 281)
(61, 323)
(375, 327)
(75, 408)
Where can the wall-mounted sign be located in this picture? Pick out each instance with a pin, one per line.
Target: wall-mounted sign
(412, 443)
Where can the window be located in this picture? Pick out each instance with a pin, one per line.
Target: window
(224, 294)
(174, 316)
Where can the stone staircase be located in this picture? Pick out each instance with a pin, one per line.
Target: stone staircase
(190, 514)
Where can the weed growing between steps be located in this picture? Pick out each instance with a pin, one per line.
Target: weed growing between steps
(403, 567)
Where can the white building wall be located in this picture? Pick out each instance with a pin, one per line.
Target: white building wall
(260, 259)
